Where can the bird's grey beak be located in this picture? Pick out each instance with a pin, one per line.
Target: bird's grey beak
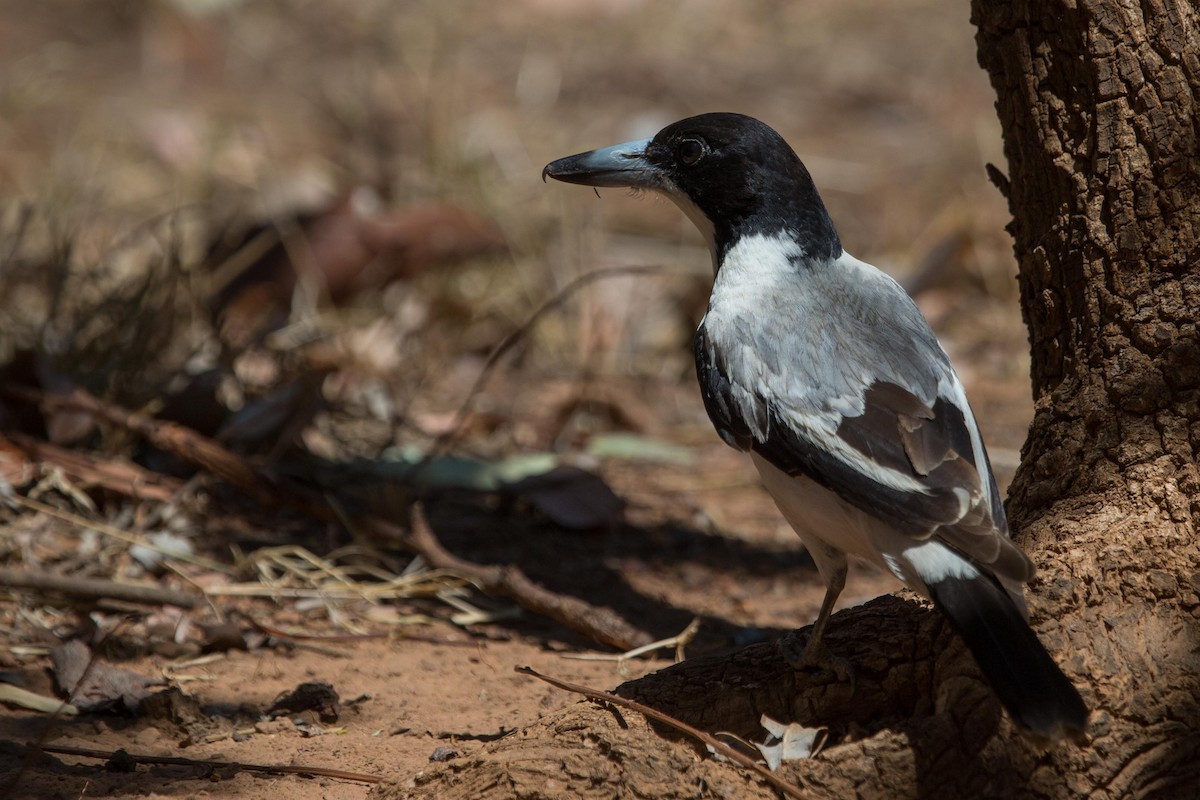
(619, 165)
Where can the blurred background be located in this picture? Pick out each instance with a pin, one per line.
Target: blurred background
(316, 232)
(148, 136)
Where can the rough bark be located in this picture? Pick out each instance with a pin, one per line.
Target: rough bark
(1098, 102)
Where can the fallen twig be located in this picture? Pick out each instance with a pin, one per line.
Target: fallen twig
(599, 624)
(276, 633)
(169, 436)
(192, 447)
(122, 759)
(115, 475)
(94, 588)
(34, 701)
(715, 744)
(679, 642)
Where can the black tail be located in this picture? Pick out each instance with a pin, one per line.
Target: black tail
(1032, 688)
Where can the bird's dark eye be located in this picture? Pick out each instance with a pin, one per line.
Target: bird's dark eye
(689, 151)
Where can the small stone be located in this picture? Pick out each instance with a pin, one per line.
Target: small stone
(443, 754)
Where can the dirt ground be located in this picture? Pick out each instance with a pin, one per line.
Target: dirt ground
(133, 129)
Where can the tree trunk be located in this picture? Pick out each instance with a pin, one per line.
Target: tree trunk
(1098, 102)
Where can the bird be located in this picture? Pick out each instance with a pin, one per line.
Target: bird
(823, 369)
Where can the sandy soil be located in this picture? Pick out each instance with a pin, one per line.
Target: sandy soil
(403, 700)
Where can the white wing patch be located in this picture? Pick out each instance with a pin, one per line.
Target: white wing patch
(935, 562)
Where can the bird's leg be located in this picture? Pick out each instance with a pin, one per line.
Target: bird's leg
(832, 565)
(814, 650)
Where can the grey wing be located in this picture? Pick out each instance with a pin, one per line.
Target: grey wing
(919, 465)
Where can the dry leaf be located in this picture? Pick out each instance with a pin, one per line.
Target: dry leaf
(334, 253)
(790, 742)
(96, 685)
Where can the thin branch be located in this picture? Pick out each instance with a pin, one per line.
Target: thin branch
(121, 758)
(124, 477)
(93, 588)
(190, 446)
(788, 789)
(169, 436)
(679, 642)
(999, 180)
(276, 633)
(17, 235)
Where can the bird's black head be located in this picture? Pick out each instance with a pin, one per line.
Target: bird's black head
(730, 173)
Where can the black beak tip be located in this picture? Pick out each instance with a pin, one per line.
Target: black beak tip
(555, 169)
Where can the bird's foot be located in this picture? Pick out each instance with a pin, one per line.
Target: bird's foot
(803, 654)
